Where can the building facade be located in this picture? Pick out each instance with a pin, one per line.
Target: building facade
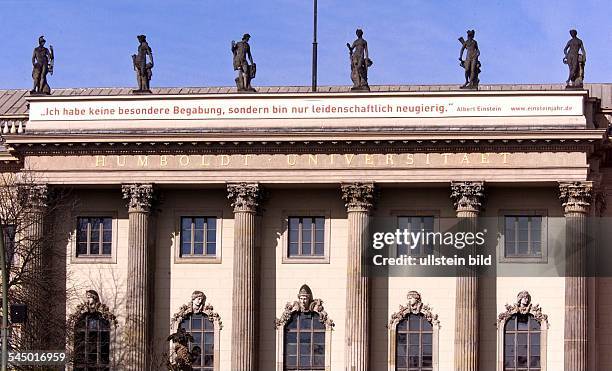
(244, 219)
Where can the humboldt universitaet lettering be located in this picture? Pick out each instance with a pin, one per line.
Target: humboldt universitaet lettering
(318, 161)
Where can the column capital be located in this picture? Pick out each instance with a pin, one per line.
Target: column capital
(34, 195)
(358, 196)
(245, 197)
(468, 196)
(576, 197)
(139, 196)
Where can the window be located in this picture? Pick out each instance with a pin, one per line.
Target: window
(304, 342)
(523, 236)
(414, 344)
(198, 236)
(522, 342)
(306, 237)
(416, 224)
(94, 236)
(92, 343)
(203, 331)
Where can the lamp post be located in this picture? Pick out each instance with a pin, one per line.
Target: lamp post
(5, 313)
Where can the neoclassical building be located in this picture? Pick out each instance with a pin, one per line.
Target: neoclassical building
(229, 231)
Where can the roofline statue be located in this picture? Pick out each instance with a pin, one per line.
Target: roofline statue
(143, 68)
(242, 56)
(471, 63)
(42, 64)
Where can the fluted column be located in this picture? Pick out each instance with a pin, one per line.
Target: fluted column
(34, 198)
(576, 199)
(138, 312)
(359, 199)
(467, 198)
(245, 199)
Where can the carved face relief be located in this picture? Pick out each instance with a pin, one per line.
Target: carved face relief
(414, 301)
(92, 299)
(523, 299)
(304, 302)
(197, 301)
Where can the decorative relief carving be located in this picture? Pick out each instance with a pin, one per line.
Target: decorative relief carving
(197, 305)
(89, 306)
(304, 304)
(523, 306)
(414, 306)
(139, 196)
(576, 197)
(245, 196)
(358, 196)
(35, 196)
(467, 196)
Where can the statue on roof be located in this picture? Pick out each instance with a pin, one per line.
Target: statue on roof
(246, 72)
(470, 64)
(143, 68)
(42, 62)
(575, 61)
(360, 62)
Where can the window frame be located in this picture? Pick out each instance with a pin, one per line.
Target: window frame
(528, 332)
(501, 241)
(298, 331)
(297, 213)
(179, 214)
(420, 332)
(93, 259)
(397, 214)
(215, 331)
(84, 317)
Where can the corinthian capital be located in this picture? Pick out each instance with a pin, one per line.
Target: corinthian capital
(245, 196)
(358, 196)
(467, 196)
(139, 196)
(34, 196)
(576, 197)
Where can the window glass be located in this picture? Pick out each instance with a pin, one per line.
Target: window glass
(304, 342)
(94, 236)
(414, 344)
(203, 331)
(522, 343)
(523, 236)
(306, 236)
(198, 236)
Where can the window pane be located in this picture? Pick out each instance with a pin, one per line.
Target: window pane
(198, 248)
(106, 248)
(198, 223)
(211, 248)
(320, 223)
(198, 235)
(414, 323)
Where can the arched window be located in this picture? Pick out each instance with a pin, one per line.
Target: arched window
(522, 338)
(196, 337)
(202, 330)
(413, 337)
(414, 346)
(92, 324)
(303, 340)
(522, 333)
(92, 343)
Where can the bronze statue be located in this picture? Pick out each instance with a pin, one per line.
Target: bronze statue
(182, 358)
(360, 61)
(144, 69)
(42, 62)
(246, 71)
(471, 64)
(575, 61)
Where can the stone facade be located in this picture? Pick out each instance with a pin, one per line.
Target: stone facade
(253, 177)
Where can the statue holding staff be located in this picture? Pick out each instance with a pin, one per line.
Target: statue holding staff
(360, 61)
(42, 63)
(575, 61)
(471, 64)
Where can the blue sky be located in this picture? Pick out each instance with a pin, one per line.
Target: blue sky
(410, 41)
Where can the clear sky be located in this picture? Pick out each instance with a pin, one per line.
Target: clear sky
(410, 41)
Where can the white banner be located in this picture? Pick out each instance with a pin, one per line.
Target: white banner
(302, 107)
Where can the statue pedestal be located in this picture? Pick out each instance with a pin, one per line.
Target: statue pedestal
(361, 88)
(141, 91)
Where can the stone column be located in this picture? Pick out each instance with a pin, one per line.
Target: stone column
(359, 199)
(576, 199)
(467, 198)
(138, 311)
(245, 199)
(34, 201)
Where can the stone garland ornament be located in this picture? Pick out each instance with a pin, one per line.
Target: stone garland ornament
(139, 196)
(304, 304)
(89, 306)
(522, 306)
(414, 306)
(467, 196)
(358, 196)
